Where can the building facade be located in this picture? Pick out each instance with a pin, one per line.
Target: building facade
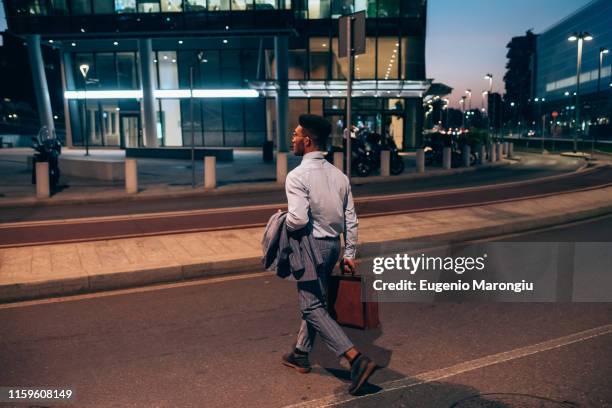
(227, 73)
(555, 88)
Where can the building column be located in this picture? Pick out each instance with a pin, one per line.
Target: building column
(413, 126)
(67, 83)
(41, 90)
(145, 49)
(270, 121)
(281, 54)
(91, 124)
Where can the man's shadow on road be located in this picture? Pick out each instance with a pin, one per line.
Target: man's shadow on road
(409, 392)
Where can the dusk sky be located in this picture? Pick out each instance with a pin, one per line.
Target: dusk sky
(467, 38)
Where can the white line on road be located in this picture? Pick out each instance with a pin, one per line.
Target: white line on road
(440, 374)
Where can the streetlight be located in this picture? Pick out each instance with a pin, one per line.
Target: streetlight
(84, 68)
(469, 95)
(539, 102)
(602, 51)
(580, 37)
(445, 107)
(489, 76)
(462, 102)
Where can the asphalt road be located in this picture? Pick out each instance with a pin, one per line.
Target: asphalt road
(202, 220)
(531, 167)
(219, 343)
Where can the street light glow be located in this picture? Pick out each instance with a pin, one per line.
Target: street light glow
(164, 93)
(572, 37)
(587, 37)
(84, 68)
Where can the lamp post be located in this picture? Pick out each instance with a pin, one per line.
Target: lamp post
(602, 51)
(539, 102)
(462, 102)
(84, 68)
(580, 38)
(483, 110)
(489, 76)
(445, 107)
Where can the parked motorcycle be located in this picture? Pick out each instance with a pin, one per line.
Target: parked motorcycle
(375, 143)
(360, 161)
(48, 149)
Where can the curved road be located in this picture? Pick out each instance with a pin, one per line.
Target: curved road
(530, 167)
(84, 229)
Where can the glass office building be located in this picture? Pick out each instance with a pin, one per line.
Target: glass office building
(556, 67)
(229, 73)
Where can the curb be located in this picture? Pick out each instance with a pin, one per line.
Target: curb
(235, 188)
(126, 279)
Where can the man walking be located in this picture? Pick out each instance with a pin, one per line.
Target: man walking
(319, 197)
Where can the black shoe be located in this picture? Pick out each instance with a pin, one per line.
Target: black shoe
(299, 362)
(361, 369)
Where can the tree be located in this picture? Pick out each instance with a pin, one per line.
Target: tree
(520, 72)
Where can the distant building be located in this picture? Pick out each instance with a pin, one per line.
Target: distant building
(555, 79)
(257, 64)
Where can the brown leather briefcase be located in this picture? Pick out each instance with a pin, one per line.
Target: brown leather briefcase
(346, 305)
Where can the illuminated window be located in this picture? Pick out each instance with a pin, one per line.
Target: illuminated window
(195, 5)
(319, 9)
(388, 58)
(168, 72)
(168, 6)
(148, 6)
(125, 6)
(364, 63)
(319, 57)
(218, 5)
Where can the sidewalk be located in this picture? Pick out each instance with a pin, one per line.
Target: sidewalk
(161, 178)
(62, 269)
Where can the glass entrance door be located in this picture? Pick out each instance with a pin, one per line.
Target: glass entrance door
(130, 131)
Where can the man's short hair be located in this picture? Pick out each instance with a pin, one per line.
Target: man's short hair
(318, 127)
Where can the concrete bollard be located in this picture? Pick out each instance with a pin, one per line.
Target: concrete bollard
(281, 167)
(385, 162)
(131, 176)
(492, 152)
(506, 149)
(43, 190)
(510, 150)
(482, 154)
(446, 158)
(339, 160)
(499, 156)
(467, 152)
(210, 172)
(420, 161)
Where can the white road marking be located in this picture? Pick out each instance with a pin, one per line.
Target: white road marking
(440, 374)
